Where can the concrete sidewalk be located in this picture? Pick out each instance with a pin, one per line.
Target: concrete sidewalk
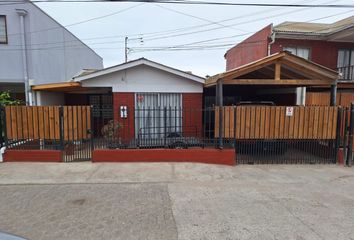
(176, 201)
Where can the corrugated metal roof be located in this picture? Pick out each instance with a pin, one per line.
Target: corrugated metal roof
(314, 28)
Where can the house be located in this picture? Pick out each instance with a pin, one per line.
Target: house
(330, 45)
(36, 49)
(147, 97)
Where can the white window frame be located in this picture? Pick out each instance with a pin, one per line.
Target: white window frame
(297, 48)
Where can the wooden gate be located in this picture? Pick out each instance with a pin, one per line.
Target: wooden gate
(274, 134)
(66, 128)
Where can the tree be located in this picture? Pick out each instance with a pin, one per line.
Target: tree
(5, 99)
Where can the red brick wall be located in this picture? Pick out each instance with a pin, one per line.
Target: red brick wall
(192, 113)
(33, 156)
(251, 49)
(321, 52)
(128, 125)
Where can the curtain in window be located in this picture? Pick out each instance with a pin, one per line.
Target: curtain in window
(158, 114)
(299, 51)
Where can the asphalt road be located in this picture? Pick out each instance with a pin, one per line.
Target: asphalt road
(176, 201)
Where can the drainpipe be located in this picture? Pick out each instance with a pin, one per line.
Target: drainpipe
(22, 13)
(333, 94)
(272, 39)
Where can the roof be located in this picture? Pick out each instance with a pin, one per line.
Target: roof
(56, 86)
(40, 9)
(138, 62)
(314, 29)
(295, 71)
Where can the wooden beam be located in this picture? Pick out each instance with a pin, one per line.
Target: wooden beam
(277, 73)
(292, 82)
(52, 86)
(309, 67)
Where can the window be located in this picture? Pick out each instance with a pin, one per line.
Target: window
(299, 51)
(3, 30)
(345, 58)
(345, 63)
(158, 114)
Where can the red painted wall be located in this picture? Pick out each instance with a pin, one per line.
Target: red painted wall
(213, 156)
(321, 52)
(251, 49)
(127, 131)
(192, 114)
(33, 156)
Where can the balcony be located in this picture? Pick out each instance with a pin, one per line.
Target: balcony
(346, 73)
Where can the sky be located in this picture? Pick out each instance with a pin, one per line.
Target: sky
(152, 29)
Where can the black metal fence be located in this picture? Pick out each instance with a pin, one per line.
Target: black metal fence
(165, 127)
(173, 127)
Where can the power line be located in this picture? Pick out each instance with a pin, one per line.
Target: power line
(81, 22)
(188, 2)
(199, 18)
(186, 44)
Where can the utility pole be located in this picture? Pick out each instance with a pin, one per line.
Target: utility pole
(126, 49)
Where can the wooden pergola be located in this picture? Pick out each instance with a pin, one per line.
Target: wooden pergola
(282, 69)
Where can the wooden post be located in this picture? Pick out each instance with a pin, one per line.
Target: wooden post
(220, 105)
(277, 71)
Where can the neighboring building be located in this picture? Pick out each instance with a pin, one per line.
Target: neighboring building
(35, 49)
(330, 45)
(141, 88)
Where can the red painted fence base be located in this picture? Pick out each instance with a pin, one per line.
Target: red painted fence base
(213, 156)
(33, 156)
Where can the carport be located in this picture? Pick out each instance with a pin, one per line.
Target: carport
(274, 74)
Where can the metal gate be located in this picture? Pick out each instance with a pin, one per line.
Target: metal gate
(274, 134)
(76, 134)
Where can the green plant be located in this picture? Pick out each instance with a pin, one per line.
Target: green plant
(110, 129)
(5, 99)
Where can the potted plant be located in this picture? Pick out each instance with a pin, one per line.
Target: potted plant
(110, 132)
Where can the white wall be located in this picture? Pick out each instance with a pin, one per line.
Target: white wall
(50, 98)
(144, 78)
(54, 55)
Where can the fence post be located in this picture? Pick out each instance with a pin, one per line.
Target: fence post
(219, 91)
(3, 137)
(164, 125)
(338, 133)
(345, 136)
(235, 124)
(91, 129)
(61, 127)
(351, 131)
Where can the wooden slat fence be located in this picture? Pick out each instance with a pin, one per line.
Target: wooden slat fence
(271, 122)
(43, 122)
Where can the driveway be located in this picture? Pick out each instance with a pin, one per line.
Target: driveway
(176, 201)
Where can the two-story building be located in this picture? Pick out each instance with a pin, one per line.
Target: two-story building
(36, 49)
(330, 45)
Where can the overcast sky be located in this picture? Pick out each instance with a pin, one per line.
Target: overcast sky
(159, 25)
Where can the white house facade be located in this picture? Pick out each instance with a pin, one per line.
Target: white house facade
(36, 49)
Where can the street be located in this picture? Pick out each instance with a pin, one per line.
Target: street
(176, 201)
